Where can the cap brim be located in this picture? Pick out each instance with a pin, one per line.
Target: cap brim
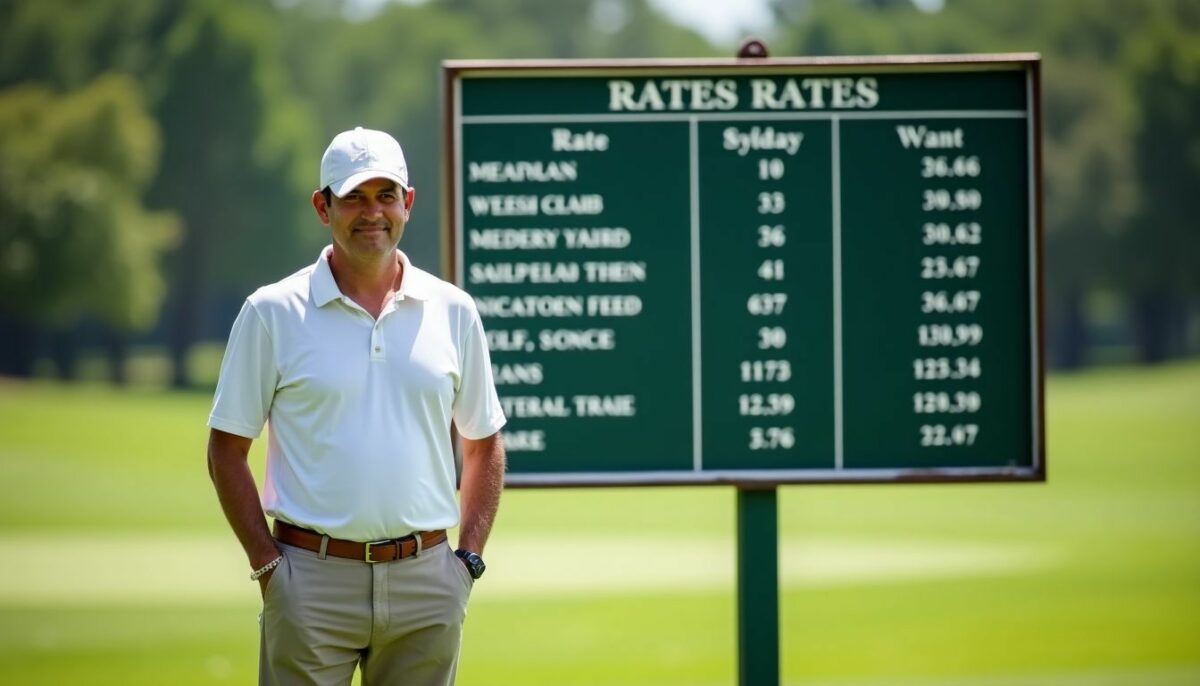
(343, 186)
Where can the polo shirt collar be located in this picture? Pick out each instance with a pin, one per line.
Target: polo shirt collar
(324, 289)
(415, 283)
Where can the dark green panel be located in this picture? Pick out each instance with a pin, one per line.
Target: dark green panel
(982, 270)
(816, 272)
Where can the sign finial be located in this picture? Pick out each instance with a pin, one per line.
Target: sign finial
(752, 48)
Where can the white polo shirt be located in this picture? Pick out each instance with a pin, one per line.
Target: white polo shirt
(359, 409)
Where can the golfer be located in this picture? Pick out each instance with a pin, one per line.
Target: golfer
(361, 363)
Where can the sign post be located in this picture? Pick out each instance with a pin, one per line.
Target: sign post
(758, 587)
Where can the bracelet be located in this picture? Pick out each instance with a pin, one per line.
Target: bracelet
(256, 574)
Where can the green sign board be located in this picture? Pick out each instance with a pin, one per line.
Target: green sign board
(742, 271)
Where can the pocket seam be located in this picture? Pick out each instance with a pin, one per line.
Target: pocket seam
(463, 572)
(275, 574)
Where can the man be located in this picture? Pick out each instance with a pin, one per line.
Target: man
(360, 363)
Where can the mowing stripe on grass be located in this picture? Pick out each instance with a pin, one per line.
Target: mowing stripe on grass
(1176, 675)
(197, 568)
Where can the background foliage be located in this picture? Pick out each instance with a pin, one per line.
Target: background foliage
(189, 134)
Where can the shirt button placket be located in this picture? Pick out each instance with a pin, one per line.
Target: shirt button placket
(376, 343)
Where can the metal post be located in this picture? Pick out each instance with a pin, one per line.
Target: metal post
(758, 587)
(757, 552)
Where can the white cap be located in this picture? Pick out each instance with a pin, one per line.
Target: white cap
(356, 156)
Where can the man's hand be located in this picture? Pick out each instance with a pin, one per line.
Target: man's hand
(263, 581)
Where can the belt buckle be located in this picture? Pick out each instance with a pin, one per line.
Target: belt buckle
(367, 549)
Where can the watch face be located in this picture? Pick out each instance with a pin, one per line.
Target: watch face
(474, 562)
(476, 565)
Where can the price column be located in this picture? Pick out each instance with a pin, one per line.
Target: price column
(946, 400)
(937, 363)
(765, 291)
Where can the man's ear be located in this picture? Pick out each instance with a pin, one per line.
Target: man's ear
(409, 196)
(318, 202)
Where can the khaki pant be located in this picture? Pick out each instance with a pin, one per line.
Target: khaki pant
(402, 620)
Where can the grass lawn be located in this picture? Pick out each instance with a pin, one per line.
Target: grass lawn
(116, 566)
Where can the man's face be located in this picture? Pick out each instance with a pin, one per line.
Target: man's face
(369, 220)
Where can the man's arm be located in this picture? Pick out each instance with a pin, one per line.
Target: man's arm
(230, 473)
(482, 481)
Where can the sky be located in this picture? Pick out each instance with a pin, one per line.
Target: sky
(723, 22)
(726, 22)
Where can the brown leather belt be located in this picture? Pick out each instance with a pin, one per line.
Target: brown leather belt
(375, 551)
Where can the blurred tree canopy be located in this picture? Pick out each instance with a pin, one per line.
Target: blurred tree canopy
(68, 43)
(74, 235)
(1164, 70)
(214, 113)
(233, 164)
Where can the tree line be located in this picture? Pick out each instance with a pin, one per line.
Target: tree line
(156, 158)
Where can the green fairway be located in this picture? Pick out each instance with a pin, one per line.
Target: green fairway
(117, 566)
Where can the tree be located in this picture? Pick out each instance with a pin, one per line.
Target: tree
(1090, 196)
(238, 163)
(68, 43)
(1163, 245)
(74, 236)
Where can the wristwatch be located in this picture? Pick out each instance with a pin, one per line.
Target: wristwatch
(473, 562)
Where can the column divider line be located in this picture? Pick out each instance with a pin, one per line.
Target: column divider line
(838, 418)
(694, 187)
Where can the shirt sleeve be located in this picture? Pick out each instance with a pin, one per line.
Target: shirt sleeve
(248, 378)
(477, 411)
